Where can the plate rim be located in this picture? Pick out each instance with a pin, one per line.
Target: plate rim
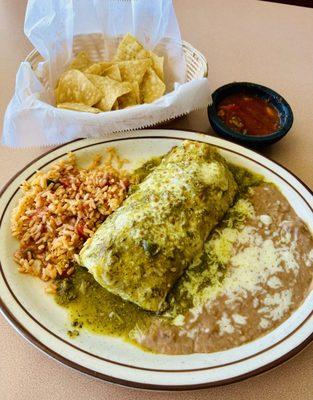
(128, 383)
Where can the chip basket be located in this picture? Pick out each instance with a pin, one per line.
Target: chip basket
(196, 65)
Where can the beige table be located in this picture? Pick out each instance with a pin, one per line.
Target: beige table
(242, 40)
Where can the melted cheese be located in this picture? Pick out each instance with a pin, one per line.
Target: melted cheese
(264, 323)
(225, 325)
(239, 319)
(274, 282)
(266, 219)
(277, 305)
(253, 267)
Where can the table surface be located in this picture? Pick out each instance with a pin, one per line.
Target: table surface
(243, 40)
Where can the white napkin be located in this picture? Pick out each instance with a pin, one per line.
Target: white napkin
(31, 118)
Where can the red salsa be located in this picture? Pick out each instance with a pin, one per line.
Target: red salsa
(249, 115)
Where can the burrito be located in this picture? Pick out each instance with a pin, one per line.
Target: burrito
(142, 249)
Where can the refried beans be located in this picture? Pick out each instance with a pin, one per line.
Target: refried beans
(268, 275)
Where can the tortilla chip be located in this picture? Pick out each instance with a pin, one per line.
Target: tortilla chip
(81, 62)
(79, 107)
(74, 87)
(130, 49)
(111, 90)
(136, 91)
(132, 98)
(133, 71)
(152, 87)
(157, 64)
(98, 68)
(115, 106)
(134, 77)
(113, 72)
(105, 84)
(127, 100)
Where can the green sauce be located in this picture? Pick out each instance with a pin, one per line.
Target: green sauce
(147, 167)
(244, 178)
(205, 276)
(93, 307)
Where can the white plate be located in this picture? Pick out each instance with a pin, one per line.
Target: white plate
(40, 320)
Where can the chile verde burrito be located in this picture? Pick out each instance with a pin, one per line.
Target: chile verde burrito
(142, 249)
